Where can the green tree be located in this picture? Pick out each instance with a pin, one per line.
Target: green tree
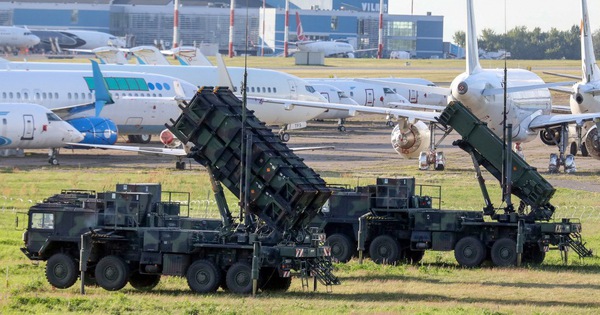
(459, 38)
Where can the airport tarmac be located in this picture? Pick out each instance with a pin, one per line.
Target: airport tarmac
(364, 149)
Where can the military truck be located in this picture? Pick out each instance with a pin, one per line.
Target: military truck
(392, 221)
(137, 233)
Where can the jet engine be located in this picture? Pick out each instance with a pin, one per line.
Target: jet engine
(410, 139)
(168, 139)
(96, 130)
(548, 136)
(592, 143)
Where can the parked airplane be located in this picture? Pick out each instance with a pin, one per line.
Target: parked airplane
(17, 37)
(412, 95)
(56, 40)
(482, 91)
(328, 48)
(372, 94)
(585, 96)
(334, 95)
(263, 86)
(32, 126)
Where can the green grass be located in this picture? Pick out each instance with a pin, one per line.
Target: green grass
(437, 285)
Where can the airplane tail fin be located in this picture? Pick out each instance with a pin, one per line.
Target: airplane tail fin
(299, 30)
(590, 71)
(101, 89)
(471, 41)
(224, 77)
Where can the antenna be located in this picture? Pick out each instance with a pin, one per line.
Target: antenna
(506, 134)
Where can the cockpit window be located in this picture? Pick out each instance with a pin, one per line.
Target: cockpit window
(388, 90)
(341, 95)
(310, 88)
(53, 117)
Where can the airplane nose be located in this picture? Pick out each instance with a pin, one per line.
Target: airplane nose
(74, 135)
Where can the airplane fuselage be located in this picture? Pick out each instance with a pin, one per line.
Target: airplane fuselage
(11, 36)
(330, 48)
(261, 83)
(334, 95)
(31, 126)
(366, 94)
(522, 106)
(143, 102)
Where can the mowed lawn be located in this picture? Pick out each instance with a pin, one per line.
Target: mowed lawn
(436, 286)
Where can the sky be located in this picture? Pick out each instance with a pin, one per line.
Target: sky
(561, 14)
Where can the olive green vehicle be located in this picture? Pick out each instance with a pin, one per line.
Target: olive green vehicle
(392, 221)
(137, 233)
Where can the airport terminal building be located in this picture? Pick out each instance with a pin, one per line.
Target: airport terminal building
(207, 22)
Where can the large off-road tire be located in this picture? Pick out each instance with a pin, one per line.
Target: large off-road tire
(61, 271)
(504, 252)
(469, 252)
(271, 281)
(143, 282)
(203, 276)
(413, 256)
(342, 248)
(112, 273)
(239, 278)
(384, 250)
(533, 255)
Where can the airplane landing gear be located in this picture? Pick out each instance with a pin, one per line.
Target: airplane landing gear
(341, 127)
(556, 161)
(437, 159)
(53, 156)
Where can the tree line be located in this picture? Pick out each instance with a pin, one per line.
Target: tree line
(533, 44)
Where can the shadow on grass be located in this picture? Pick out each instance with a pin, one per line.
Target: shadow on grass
(386, 297)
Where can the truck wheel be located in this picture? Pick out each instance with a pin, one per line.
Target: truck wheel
(203, 276)
(239, 278)
(504, 252)
(414, 256)
(112, 273)
(384, 250)
(533, 255)
(61, 271)
(469, 252)
(143, 282)
(341, 247)
(271, 281)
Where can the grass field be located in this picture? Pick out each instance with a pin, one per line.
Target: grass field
(435, 286)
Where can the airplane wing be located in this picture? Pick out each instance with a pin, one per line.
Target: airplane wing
(145, 150)
(568, 76)
(353, 109)
(437, 108)
(177, 152)
(562, 89)
(409, 86)
(497, 91)
(543, 121)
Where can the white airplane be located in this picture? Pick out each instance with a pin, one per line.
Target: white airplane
(32, 126)
(585, 96)
(481, 90)
(76, 39)
(412, 95)
(267, 89)
(370, 94)
(328, 48)
(334, 95)
(17, 37)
